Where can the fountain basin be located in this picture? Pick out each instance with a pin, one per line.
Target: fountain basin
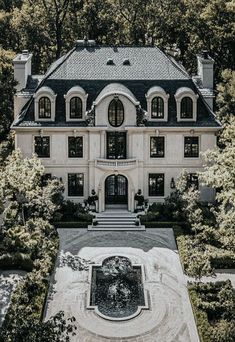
(117, 289)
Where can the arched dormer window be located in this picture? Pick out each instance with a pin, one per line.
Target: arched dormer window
(44, 108)
(186, 108)
(186, 104)
(44, 104)
(157, 104)
(116, 113)
(157, 108)
(75, 109)
(75, 103)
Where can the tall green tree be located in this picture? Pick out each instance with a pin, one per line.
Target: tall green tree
(226, 96)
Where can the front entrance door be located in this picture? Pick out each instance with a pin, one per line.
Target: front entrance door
(116, 189)
(116, 145)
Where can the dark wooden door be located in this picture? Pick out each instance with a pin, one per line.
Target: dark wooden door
(116, 188)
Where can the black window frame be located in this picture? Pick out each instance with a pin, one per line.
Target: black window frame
(45, 151)
(78, 108)
(78, 148)
(192, 180)
(159, 108)
(191, 147)
(159, 146)
(75, 190)
(186, 108)
(119, 149)
(157, 191)
(114, 113)
(44, 101)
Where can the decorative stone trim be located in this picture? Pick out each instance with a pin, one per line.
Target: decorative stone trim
(179, 95)
(157, 92)
(45, 92)
(76, 91)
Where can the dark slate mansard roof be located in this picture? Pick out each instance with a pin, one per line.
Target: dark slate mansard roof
(87, 67)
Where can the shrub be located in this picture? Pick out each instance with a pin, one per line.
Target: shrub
(15, 261)
(214, 309)
(69, 211)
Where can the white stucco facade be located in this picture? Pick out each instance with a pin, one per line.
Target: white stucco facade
(137, 164)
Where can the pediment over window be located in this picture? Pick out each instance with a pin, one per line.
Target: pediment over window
(157, 103)
(186, 104)
(116, 89)
(44, 104)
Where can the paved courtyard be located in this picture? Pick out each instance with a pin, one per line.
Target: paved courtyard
(169, 317)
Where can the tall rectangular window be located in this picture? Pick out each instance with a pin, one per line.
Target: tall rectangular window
(75, 184)
(157, 147)
(193, 180)
(75, 147)
(156, 184)
(191, 147)
(42, 146)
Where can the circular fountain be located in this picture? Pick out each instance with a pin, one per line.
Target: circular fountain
(117, 289)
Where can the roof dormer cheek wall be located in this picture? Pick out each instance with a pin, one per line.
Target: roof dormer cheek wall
(44, 102)
(102, 112)
(185, 97)
(157, 97)
(75, 99)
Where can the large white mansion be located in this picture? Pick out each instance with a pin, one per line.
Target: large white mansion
(116, 119)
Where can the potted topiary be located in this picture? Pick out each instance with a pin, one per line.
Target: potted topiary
(140, 200)
(92, 200)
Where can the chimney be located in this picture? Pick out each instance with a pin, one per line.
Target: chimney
(22, 69)
(205, 66)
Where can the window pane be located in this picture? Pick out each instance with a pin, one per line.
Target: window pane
(42, 146)
(44, 108)
(75, 184)
(192, 180)
(191, 147)
(157, 110)
(186, 108)
(156, 184)
(75, 147)
(116, 113)
(76, 108)
(157, 147)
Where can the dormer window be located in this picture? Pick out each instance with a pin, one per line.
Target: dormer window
(44, 104)
(75, 104)
(186, 108)
(186, 104)
(157, 104)
(44, 108)
(116, 113)
(75, 108)
(157, 108)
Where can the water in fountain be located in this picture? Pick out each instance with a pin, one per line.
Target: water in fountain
(117, 287)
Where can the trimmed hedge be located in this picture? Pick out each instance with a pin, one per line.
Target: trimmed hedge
(203, 326)
(16, 261)
(71, 224)
(213, 306)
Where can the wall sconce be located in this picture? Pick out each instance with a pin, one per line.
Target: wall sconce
(172, 184)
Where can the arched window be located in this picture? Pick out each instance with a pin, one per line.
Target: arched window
(44, 108)
(186, 108)
(116, 113)
(157, 108)
(75, 108)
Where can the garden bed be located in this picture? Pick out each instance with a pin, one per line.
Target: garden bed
(214, 310)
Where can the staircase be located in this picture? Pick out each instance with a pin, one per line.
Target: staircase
(116, 219)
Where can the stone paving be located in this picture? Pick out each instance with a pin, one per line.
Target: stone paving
(169, 317)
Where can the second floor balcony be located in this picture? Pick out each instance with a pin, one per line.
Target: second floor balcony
(116, 164)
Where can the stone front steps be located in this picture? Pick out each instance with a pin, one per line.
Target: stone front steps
(116, 220)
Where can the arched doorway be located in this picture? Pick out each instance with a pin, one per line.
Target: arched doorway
(116, 190)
